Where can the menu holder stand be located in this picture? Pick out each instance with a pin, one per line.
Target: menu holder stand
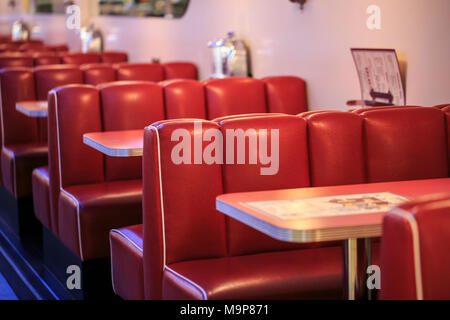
(380, 78)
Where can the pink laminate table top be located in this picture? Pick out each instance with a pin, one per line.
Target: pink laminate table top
(332, 228)
(33, 109)
(127, 143)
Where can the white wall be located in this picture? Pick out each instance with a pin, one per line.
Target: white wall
(313, 44)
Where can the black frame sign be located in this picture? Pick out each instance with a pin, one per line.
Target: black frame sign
(379, 76)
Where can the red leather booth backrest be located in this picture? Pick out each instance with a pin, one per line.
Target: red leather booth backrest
(336, 149)
(405, 144)
(180, 70)
(31, 46)
(59, 47)
(129, 106)
(234, 96)
(184, 99)
(414, 251)
(79, 58)
(73, 110)
(17, 84)
(16, 60)
(76, 112)
(98, 73)
(50, 77)
(46, 58)
(140, 72)
(114, 57)
(9, 47)
(293, 171)
(286, 95)
(179, 224)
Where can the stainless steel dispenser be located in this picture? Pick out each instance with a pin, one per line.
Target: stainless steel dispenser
(231, 57)
(91, 39)
(20, 31)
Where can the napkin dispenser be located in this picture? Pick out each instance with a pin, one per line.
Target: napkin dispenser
(230, 57)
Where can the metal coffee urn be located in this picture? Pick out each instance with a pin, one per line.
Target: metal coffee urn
(231, 57)
(91, 39)
(20, 31)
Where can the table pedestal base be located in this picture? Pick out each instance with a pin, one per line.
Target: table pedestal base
(357, 257)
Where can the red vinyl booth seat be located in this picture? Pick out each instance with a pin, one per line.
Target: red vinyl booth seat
(180, 70)
(184, 99)
(79, 58)
(46, 58)
(153, 72)
(405, 144)
(235, 96)
(41, 196)
(193, 252)
(182, 267)
(9, 47)
(98, 73)
(113, 57)
(47, 78)
(127, 262)
(415, 247)
(104, 193)
(16, 60)
(24, 147)
(31, 46)
(101, 73)
(336, 139)
(59, 47)
(286, 95)
(181, 99)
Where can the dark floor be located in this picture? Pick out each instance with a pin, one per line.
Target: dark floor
(6, 293)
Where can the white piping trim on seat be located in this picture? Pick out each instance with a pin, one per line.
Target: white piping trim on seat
(111, 253)
(60, 178)
(416, 248)
(127, 238)
(161, 197)
(203, 292)
(112, 267)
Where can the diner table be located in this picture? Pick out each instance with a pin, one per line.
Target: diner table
(301, 216)
(33, 109)
(126, 143)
